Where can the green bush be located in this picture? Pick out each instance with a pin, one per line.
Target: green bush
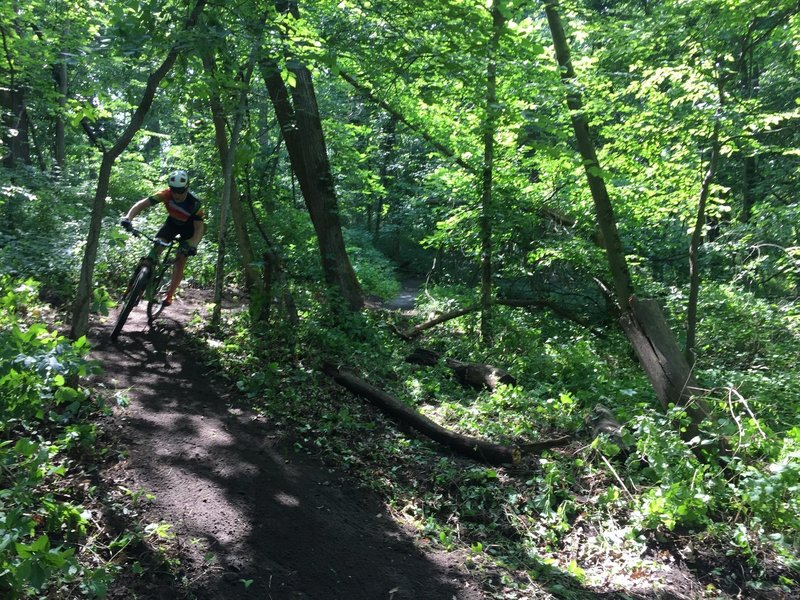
(43, 418)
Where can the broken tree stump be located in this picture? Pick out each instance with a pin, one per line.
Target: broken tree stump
(423, 356)
(489, 452)
(663, 362)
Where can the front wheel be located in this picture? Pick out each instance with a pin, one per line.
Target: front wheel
(154, 304)
(132, 299)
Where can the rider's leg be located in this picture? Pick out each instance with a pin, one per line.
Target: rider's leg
(177, 275)
(156, 250)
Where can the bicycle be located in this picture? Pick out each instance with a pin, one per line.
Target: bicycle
(150, 281)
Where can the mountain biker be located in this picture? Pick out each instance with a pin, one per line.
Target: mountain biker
(185, 221)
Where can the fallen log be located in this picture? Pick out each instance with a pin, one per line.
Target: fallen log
(478, 375)
(474, 375)
(424, 357)
(496, 454)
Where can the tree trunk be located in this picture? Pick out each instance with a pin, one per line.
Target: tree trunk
(474, 375)
(386, 150)
(662, 360)
(82, 304)
(749, 73)
(83, 297)
(302, 130)
(487, 208)
(254, 283)
(604, 210)
(643, 321)
(748, 181)
(16, 135)
(229, 155)
(696, 241)
(60, 135)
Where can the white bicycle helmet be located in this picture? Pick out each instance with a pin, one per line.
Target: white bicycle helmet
(179, 180)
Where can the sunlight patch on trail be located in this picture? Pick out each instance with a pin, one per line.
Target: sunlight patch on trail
(287, 500)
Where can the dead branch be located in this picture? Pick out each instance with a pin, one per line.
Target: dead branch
(520, 303)
(477, 449)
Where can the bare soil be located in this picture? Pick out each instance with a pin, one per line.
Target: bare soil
(252, 518)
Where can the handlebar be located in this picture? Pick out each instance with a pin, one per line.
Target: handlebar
(139, 233)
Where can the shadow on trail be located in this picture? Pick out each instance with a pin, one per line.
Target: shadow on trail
(254, 519)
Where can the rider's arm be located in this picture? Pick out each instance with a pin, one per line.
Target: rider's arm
(138, 207)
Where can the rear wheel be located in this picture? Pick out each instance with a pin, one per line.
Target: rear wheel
(132, 299)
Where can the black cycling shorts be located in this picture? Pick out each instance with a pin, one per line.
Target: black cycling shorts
(170, 230)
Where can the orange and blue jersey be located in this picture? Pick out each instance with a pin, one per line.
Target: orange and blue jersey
(188, 209)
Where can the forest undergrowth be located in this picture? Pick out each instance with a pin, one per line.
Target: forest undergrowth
(600, 514)
(603, 513)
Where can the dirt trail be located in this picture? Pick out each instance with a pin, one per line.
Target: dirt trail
(253, 518)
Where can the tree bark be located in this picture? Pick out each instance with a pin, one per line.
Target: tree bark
(301, 126)
(604, 210)
(302, 130)
(229, 154)
(60, 135)
(487, 208)
(474, 375)
(80, 309)
(12, 103)
(477, 449)
(643, 321)
(16, 137)
(386, 150)
(254, 282)
(662, 360)
(697, 240)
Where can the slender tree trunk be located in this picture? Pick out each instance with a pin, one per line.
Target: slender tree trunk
(749, 84)
(60, 135)
(12, 106)
(253, 279)
(16, 137)
(604, 210)
(642, 320)
(301, 126)
(227, 173)
(697, 236)
(487, 208)
(386, 150)
(748, 180)
(83, 297)
(82, 304)
(34, 142)
(305, 143)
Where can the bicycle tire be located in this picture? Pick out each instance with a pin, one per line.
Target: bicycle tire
(132, 299)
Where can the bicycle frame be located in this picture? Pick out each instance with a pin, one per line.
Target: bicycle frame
(146, 283)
